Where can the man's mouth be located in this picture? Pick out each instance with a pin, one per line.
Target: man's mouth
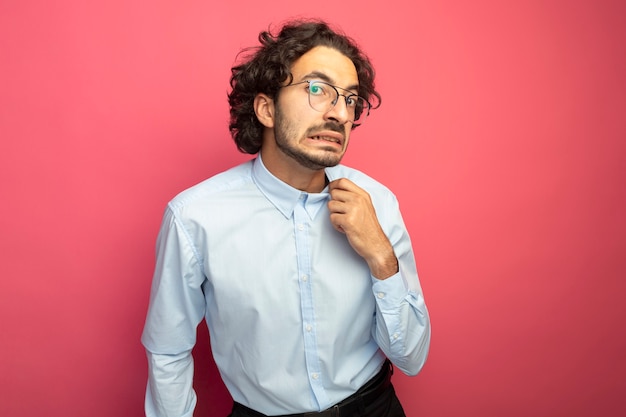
(331, 134)
(327, 139)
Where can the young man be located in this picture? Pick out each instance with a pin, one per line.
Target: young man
(302, 268)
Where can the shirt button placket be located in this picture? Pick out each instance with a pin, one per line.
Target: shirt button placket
(303, 253)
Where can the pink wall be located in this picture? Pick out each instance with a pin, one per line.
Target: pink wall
(502, 131)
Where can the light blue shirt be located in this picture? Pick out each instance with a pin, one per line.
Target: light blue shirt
(296, 320)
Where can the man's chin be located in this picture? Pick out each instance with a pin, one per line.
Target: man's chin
(316, 158)
(327, 159)
(317, 163)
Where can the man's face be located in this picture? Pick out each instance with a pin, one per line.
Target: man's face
(313, 139)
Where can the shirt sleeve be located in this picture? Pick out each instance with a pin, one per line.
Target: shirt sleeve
(169, 391)
(402, 324)
(177, 306)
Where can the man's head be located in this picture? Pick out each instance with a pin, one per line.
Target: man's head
(270, 68)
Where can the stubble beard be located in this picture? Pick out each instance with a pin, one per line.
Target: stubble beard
(283, 131)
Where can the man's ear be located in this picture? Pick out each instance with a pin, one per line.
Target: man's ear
(264, 109)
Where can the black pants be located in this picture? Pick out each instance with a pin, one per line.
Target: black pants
(385, 404)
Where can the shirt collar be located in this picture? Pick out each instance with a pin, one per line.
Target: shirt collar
(283, 196)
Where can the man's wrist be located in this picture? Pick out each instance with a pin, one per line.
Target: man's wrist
(384, 267)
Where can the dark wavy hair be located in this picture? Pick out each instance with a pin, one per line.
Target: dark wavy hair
(267, 67)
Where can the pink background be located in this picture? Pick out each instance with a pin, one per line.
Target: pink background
(502, 131)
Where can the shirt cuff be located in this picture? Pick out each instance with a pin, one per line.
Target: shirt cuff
(389, 292)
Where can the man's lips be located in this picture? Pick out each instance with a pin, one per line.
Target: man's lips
(328, 136)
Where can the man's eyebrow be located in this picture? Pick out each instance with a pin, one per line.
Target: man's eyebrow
(323, 77)
(318, 75)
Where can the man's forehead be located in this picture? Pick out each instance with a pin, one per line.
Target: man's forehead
(327, 64)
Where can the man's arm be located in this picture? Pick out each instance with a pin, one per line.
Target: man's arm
(352, 213)
(402, 326)
(170, 391)
(176, 308)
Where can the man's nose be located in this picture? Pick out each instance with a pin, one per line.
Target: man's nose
(339, 112)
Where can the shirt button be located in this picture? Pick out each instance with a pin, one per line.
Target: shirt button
(381, 295)
(305, 278)
(308, 328)
(395, 336)
(315, 375)
(300, 227)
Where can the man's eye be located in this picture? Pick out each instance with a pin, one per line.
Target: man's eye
(316, 89)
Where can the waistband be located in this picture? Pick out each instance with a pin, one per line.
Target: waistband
(351, 406)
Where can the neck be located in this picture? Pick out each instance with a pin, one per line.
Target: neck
(292, 173)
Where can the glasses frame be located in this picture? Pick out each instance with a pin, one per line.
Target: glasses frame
(334, 102)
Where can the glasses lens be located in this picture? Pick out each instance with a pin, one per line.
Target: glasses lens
(361, 110)
(323, 97)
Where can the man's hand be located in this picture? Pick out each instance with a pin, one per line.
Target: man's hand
(352, 213)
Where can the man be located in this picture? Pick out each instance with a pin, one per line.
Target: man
(302, 268)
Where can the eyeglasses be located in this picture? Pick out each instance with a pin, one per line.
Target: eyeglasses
(323, 97)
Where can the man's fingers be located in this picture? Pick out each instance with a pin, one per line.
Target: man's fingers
(335, 219)
(343, 184)
(336, 206)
